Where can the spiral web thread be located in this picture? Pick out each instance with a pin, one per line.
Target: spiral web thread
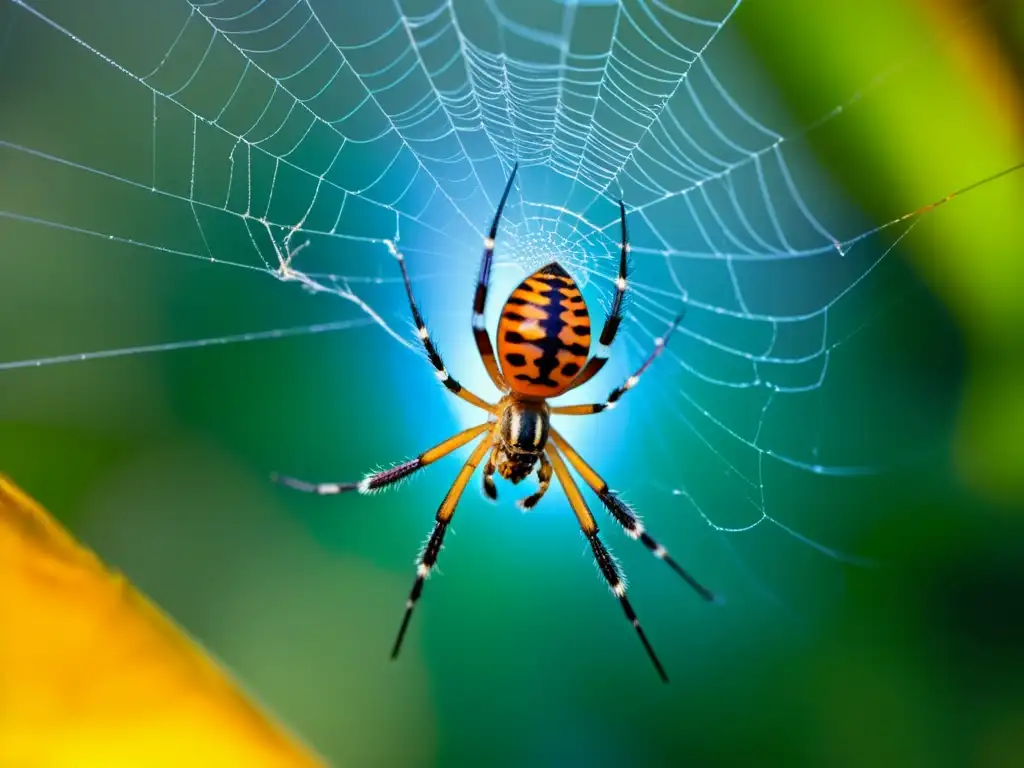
(426, 105)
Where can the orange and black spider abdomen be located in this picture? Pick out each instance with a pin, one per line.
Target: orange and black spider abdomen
(543, 334)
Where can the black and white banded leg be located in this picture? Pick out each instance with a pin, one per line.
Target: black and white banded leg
(624, 515)
(544, 473)
(605, 563)
(444, 516)
(386, 477)
(432, 354)
(614, 318)
(483, 340)
(628, 384)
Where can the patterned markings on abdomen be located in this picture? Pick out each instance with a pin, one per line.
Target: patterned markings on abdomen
(544, 333)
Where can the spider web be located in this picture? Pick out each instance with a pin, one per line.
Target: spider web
(264, 125)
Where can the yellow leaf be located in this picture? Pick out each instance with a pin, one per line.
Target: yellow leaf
(93, 674)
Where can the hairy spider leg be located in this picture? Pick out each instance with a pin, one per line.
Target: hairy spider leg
(432, 354)
(628, 384)
(386, 477)
(605, 563)
(433, 548)
(623, 514)
(614, 317)
(480, 335)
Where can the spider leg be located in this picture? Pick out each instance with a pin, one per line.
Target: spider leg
(483, 340)
(544, 475)
(433, 548)
(614, 318)
(435, 359)
(609, 569)
(490, 489)
(613, 397)
(623, 514)
(387, 476)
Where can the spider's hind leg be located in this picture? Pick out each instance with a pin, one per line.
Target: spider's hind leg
(544, 473)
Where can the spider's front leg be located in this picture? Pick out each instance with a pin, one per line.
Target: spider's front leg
(544, 473)
(624, 515)
(390, 476)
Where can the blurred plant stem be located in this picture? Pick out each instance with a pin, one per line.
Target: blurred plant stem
(958, 82)
(92, 674)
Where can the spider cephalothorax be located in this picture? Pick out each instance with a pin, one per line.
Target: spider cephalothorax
(544, 340)
(521, 437)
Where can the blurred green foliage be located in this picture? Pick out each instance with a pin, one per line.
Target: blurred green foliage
(948, 111)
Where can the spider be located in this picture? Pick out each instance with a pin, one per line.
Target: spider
(543, 344)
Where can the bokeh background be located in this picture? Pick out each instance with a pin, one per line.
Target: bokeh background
(871, 612)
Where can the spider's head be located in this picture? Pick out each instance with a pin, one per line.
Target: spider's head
(514, 466)
(522, 434)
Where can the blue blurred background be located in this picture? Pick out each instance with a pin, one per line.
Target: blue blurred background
(832, 441)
